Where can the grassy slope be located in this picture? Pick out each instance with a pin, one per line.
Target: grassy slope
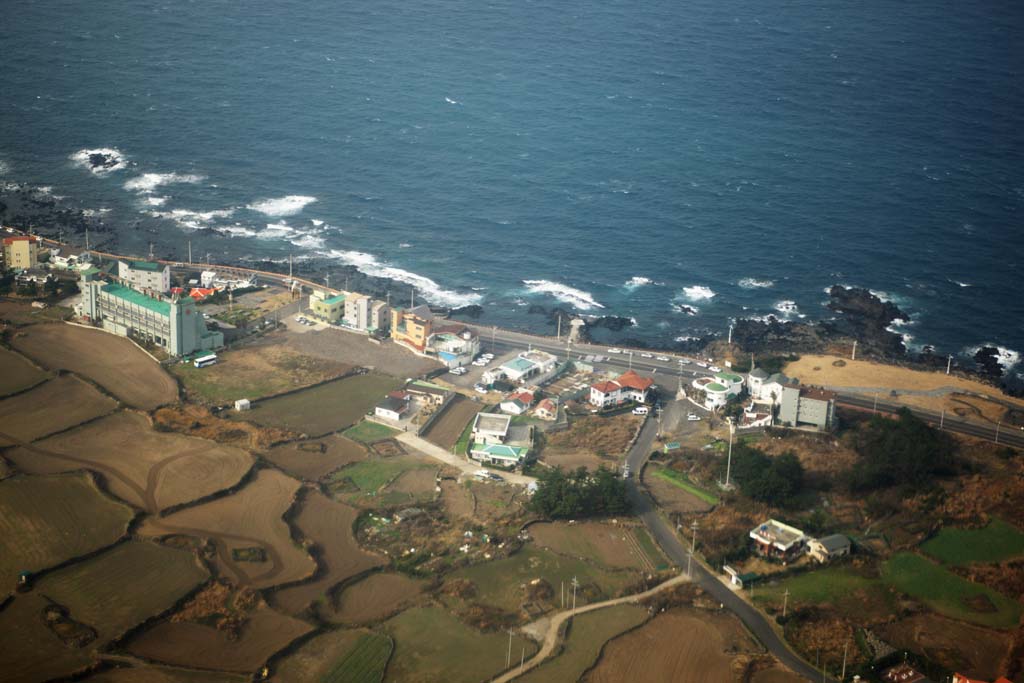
(993, 543)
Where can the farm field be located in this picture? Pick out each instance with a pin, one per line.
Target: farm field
(317, 657)
(253, 372)
(50, 407)
(374, 597)
(498, 582)
(972, 650)
(431, 645)
(369, 432)
(449, 427)
(958, 547)
(681, 645)
(776, 674)
(458, 500)
(123, 586)
(670, 496)
(113, 362)
(948, 594)
(31, 651)
(844, 588)
(149, 469)
(162, 674)
(609, 544)
(329, 524)
(311, 460)
(594, 434)
(18, 373)
(587, 635)
(197, 645)
(361, 483)
(41, 521)
(325, 408)
(411, 487)
(250, 518)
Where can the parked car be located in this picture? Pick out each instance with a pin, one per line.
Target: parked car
(625, 472)
(459, 371)
(693, 417)
(480, 388)
(701, 364)
(647, 355)
(641, 410)
(714, 368)
(614, 350)
(684, 361)
(663, 359)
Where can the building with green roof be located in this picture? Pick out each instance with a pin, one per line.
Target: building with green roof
(174, 324)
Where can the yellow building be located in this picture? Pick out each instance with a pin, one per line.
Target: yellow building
(412, 327)
(21, 252)
(330, 310)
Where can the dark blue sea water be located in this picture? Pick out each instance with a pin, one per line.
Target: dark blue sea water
(620, 157)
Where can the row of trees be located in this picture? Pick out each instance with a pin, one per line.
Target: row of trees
(562, 495)
(776, 481)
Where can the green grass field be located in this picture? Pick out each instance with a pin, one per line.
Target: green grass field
(368, 432)
(993, 543)
(498, 582)
(461, 446)
(364, 663)
(650, 548)
(820, 585)
(948, 594)
(587, 635)
(432, 645)
(682, 481)
(368, 476)
(325, 408)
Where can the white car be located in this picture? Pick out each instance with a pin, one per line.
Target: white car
(715, 368)
(614, 350)
(693, 417)
(459, 371)
(480, 362)
(663, 359)
(640, 410)
(647, 355)
(701, 365)
(683, 361)
(625, 472)
(480, 389)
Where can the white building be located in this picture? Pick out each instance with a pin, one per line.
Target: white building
(629, 386)
(145, 275)
(455, 345)
(528, 364)
(718, 389)
(357, 311)
(517, 403)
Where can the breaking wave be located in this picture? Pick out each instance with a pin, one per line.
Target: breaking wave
(697, 293)
(147, 182)
(281, 206)
(430, 290)
(751, 283)
(100, 161)
(570, 295)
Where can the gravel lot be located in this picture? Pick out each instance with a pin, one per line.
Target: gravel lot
(356, 349)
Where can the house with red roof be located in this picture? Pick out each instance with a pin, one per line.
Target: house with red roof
(517, 403)
(960, 678)
(547, 409)
(629, 386)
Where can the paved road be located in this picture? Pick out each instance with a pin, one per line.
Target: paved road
(669, 541)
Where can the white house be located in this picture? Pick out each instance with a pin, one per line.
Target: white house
(517, 403)
(718, 389)
(629, 386)
(497, 442)
(455, 345)
(828, 547)
(491, 427)
(392, 407)
(528, 364)
(145, 275)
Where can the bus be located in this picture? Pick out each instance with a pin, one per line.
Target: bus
(203, 361)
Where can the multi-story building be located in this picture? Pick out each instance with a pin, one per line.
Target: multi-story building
(629, 386)
(807, 407)
(717, 390)
(173, 323)
(357, 311)
(378, 316)
(412, 327)
(145, 275)
(455, 345)
(328, 308)
(21, 251)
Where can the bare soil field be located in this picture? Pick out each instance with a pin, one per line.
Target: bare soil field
(123, 586)
(316, 658)
(149, 469)
(250, 518)
(347, 347)
(51, 407)
(495, 502)
(680, 645)
(776, 674)
(18, 374)
(163, 674)
(196, 420)
(254, 371)
(19, 313)
(41, 522)
(449, 427)
(458, 500)
(325, 408)
(376, 597)
(113, 362)
(573, 460)
(411, 487)
(612, 545)
(670, 497)
(196, 645)
(593, 434)
(313, 459)
(32, 652)
(973, 651)
(328, 524)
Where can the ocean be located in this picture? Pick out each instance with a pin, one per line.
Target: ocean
(679, 163)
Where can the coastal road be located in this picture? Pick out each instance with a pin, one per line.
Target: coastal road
(669, 541)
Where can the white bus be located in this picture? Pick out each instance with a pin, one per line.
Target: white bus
(203, 361)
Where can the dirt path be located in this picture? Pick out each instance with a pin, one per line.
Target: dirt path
(461, 464)
(554, 625)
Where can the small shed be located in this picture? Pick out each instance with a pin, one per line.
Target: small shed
(407, 514)
(243, 404)
(828, 547)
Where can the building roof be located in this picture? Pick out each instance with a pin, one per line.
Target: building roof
(834, 542)
(606, 387)
(422, 311)
(21, 238)
(491, 422)
(779, 378)
(524, 396)
(395, 405)
(817, 394)
(500, 450)
(714, 386)
(519, 364)
(728, 376)
(758, 373)
(336, 299)
(420, 387)
(138, 298)
(632, 380)
(782, 536)
(548, 405)
(146, 265)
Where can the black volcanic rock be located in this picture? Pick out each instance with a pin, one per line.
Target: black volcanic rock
(987, 358)
(473, 311)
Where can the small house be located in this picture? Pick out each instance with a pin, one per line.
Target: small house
(828, 548)
(547, 409)
(778, 541)
(391, 408)
(518, 403)
(243, 404)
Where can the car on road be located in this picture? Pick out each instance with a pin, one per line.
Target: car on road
(625, 472)
(480, 388)
(647, 355)
(663, 359)
(459, 370)
(714, 368)
(701, 364)
(693, 417)
(480, 362)
(614, 350)
(684, 361)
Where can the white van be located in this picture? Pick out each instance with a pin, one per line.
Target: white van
(641, 410)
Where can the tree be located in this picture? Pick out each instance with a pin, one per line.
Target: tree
(902, 451)
(562, 495)
(770, 480)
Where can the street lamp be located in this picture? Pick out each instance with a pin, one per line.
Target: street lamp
(630, 360)
(998, 425)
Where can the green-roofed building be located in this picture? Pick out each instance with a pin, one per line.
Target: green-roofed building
(174, 323)
(146, 276)
(329, 309)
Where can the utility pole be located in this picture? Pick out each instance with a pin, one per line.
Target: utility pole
(785, 602)
(728, 462)
(494, 333)
(563, 593)
(693, 543)
(522, 660)
(630, 360)
(949, 363)
(558, 334)
(874, 408)
(327, 278)
(289, 266)
(575, 585)
(998, 425)
(853, 356)
(842, 676)
(942, 419)
(412, 299)
(659, 422)
(508, 659)
(730, 333)
(190, 252)
(151, 251)
(689, 562)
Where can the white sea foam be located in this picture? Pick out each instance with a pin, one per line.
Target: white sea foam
(308, 241)
(148, 182)
(114, 159)
(697, 293)
(637, 281)
(277, 231)
(430, 290)
(282, 206)
(962, 284)
(5, 168)
(751, 283)
(570, 295)
(192, 220)
(236, 230)
(686, 337)
(404, 245)
(316, 222)
(95, 212)
(1007, 358)
(156, 201)
(786, 307)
